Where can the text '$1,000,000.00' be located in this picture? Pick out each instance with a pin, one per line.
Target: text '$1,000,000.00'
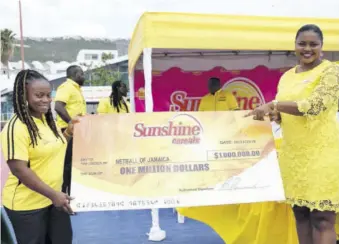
(236, 154)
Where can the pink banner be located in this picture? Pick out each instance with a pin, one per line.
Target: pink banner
(178, 90)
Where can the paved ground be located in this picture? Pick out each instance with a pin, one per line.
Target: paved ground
(130, 227)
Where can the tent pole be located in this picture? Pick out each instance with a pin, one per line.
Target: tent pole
(156, 233)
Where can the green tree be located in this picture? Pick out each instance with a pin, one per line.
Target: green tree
(103, 75)
(7, 46)
(106, 56)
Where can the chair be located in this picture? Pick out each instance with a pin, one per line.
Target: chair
(7, 232)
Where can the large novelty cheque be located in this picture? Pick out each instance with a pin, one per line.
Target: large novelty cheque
(163, 160)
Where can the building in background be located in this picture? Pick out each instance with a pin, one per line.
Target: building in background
(119, 64)
(89, 56)
(86, 58)
(56, 73)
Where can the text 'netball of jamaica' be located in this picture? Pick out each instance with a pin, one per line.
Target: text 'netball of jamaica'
(179, 133)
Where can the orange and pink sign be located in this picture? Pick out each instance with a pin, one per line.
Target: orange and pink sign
(179, 90)
(173, 159)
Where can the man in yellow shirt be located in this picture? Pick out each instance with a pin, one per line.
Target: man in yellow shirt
(69, 100)
(217, 99)
(69, 103)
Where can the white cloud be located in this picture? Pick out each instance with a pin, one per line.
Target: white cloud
(117, 18)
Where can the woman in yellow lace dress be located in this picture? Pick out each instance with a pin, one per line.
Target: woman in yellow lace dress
(307, 102)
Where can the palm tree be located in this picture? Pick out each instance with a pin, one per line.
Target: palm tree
(7, 46)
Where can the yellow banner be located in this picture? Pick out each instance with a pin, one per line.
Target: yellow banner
(162, 160)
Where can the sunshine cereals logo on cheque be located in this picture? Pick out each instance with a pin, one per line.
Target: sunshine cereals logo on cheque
(181, 129)
(247, 93)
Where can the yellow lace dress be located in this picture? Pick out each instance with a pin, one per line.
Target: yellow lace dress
(309, 155)
(309, 165)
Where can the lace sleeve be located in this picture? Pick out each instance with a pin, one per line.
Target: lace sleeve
(324, 95)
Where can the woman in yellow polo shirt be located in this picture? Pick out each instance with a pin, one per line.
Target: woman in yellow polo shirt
(34, 149)
(115, 103)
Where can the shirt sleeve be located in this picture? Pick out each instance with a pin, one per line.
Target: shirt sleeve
(15, 141)
(128, 106)
(202, 106)
(62, 94)
(232, 102)
(102, 107)
(325, 95)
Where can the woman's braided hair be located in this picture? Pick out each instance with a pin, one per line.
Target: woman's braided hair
(21, 108)
(115, 97)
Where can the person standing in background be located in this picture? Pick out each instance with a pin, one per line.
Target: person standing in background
(217, 99)
(115, 103)
(69, 103)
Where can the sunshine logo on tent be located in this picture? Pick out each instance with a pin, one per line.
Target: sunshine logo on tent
(246, 92)
(140, 94)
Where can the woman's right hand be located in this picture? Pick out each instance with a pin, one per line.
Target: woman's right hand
(62, 201)
(70, 126)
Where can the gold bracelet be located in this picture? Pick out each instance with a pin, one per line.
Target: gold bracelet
(275, 105)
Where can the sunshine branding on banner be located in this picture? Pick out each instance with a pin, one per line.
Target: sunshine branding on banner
(162, 160)
(247, 93)
(178, 90)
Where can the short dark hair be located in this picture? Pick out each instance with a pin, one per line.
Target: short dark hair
(214, 81)
(72, 70)
(310, 27)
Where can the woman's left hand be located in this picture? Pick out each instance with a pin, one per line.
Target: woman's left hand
(260, 112)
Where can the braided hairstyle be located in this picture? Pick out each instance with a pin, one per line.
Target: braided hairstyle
(115, 97)
(21, 108)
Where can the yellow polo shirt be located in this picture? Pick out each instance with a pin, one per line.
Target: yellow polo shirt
(70, 93)
(105, 107)
(220, 101)
(46, 160)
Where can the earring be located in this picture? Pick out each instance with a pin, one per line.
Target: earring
(26, 103)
